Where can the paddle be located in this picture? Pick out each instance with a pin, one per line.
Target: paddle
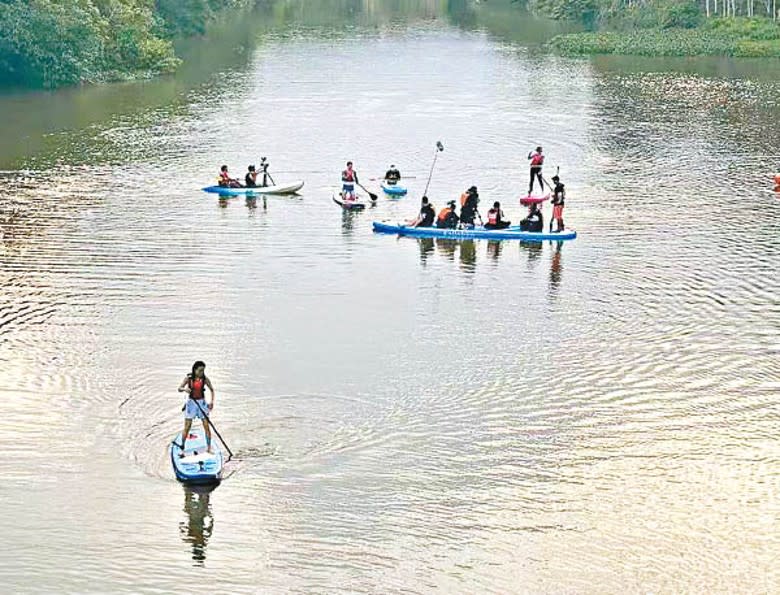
(371, 195)
(439, 149)
(557, 171)
(208, 419)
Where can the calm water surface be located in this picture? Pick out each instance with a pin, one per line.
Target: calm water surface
(408, 416)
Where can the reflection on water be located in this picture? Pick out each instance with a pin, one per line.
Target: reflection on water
(197, 528)
(556, 267)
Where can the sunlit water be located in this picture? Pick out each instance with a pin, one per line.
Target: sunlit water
(408, 416)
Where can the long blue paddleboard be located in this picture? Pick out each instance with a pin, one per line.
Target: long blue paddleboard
(197, 465)
(511, 233)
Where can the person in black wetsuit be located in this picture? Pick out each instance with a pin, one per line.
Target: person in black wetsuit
(426, 217)
(495, 218)
(534, 221)
(469, 207)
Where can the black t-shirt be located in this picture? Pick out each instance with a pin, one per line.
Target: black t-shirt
(558, 197)
(249, 181)
(393, 174)
(428, 215)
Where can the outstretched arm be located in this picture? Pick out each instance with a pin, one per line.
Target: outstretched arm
(183, 388)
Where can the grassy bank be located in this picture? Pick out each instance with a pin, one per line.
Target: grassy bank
(690, 36)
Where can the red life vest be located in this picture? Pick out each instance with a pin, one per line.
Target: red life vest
(348, 175)
(197, 387)
(492, 216)
(537, 159)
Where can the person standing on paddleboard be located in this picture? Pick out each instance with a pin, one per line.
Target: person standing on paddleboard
(194, 385)
(349, 178)
(558, 199)
(537, 160)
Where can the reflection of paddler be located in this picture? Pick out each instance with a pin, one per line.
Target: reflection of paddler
(555, 266)
(197, 529)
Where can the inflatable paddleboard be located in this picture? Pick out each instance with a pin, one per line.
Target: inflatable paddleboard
(510, 233)
(533, 200)
(197, 465)
(349, 205)
(394, 190)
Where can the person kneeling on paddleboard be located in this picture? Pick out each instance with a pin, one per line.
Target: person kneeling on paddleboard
(195, 385)
(534, 222)
(537, 160)
(393, 175)
(448, 218)
(426, 217)
(225, 180)
(495, 218)
(349, 178)
(469, 201)
(558, 199)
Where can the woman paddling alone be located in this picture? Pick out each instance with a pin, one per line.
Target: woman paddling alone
(195, 385)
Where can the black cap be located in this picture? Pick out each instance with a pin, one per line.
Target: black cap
(473, 189)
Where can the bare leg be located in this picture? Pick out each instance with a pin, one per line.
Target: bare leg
(207, 429)
(184, 434)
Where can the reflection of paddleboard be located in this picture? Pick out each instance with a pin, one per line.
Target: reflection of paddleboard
(349, 205)
(533, 200)
(197, 465)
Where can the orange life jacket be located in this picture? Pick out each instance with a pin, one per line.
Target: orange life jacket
(444, 213)
(463, 198)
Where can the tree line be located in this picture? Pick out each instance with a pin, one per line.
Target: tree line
(50, 43)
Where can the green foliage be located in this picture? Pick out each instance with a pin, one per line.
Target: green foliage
(672, 42)
(49, 43)
(745, 28)
(585, 11)
(683, 15)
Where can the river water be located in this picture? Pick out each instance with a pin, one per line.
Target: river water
(408, 416)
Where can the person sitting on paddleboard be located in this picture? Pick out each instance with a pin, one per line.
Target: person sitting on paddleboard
(537, 160)
(194, 385)
(349, 178)
(468, 206)
(534, 221)
(495, 218)
(250, 179)
(558, 199)
(448, 218)
(225, 180)
(393, 175)
(426, 217)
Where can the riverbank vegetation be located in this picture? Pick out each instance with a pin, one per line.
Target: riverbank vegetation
(51, 43)
(667, 27)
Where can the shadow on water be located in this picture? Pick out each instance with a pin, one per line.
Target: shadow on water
(198, 525)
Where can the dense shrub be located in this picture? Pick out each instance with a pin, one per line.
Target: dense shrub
(48, 43)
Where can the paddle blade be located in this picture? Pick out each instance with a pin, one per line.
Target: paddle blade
(439, 146)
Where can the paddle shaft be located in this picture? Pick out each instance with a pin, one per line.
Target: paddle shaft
(439, 149)
(208, 419)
